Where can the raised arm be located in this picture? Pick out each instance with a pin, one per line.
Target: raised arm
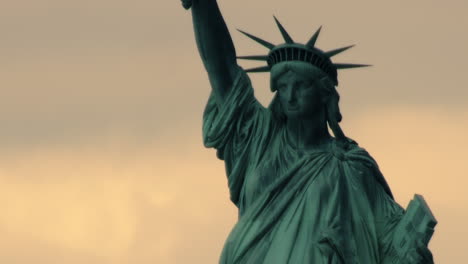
(214, 44)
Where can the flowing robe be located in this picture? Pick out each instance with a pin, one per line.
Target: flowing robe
(329, 205)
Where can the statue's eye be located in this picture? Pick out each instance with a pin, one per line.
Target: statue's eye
(303, 85)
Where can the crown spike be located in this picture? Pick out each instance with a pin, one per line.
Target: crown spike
(259, 69)
(254, 57)
(259, 40)
(332, 53)
(313, 39)
(283, 31)
(340, 66)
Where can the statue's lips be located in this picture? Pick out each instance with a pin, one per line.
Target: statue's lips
(293, 108)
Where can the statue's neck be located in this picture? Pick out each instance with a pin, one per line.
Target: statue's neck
(308, 133)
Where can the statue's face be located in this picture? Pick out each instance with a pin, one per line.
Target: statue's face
(299, 94)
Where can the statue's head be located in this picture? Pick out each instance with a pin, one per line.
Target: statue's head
(303, 76)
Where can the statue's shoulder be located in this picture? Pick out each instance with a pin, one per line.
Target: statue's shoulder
(354, 153)
(361, 160)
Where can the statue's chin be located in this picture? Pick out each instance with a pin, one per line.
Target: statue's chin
(295, 115)
(300, 113)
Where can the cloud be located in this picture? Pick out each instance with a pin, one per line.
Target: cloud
(113, 205)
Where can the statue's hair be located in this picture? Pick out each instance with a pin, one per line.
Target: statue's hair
(328, 93)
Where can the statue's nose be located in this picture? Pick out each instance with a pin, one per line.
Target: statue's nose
(291, 94)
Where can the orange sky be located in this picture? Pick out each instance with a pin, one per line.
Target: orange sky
(102, 160)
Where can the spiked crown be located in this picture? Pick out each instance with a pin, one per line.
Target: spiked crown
(292, 51)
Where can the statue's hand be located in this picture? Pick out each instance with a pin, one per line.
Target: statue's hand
(187, 4)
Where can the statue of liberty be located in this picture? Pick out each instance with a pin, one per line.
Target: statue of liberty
(303, 195)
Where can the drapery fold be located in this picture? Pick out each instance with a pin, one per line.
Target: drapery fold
(325, 206)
